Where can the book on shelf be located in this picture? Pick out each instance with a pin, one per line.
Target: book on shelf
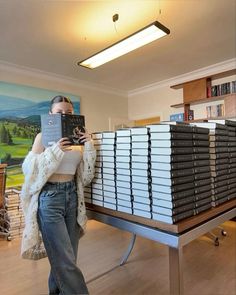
(189, 115)
(56, 126)
(180, 117)
(215, 111)
(233, 87)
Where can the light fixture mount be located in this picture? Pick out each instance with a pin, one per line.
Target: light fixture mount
(138, 39)
(115, 17)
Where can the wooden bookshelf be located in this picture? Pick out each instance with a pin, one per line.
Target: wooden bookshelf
(205, 100)
(212, 77)
(198, 91)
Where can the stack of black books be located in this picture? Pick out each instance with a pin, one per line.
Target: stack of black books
(219, 160)
(97, 182)
(231, 126)
(123, 171)
(172, 172)
(140, 171)
(202, 173)
(109, 170)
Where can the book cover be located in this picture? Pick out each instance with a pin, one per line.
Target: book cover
(56, 126)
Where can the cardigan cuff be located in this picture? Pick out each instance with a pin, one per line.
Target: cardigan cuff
(56, 151)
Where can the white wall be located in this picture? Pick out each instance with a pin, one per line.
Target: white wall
(97, 105)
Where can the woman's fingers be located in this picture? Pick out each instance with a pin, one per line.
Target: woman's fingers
(64, 144)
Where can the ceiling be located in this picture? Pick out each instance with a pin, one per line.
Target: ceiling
(51, 36)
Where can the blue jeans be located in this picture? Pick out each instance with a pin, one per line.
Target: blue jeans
(57, 218)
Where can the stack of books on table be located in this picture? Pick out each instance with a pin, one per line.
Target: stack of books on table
(231, 125)
(123, 171)
(14, 213)
(93, 193)
(140, 172)
(172, 172)
(219, 161)
(108, 156)
(202, 173)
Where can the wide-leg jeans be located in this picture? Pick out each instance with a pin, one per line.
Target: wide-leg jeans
(57, 218)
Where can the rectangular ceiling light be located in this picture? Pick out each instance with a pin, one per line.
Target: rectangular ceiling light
(140, 38)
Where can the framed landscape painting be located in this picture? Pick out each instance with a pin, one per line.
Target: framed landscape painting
(20, 110)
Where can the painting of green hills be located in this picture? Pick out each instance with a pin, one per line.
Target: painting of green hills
(20, 110)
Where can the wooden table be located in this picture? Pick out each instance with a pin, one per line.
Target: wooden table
(175, 236)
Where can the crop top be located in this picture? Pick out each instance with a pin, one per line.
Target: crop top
(69, 162)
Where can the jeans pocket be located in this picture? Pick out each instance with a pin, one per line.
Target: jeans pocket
(46, 198)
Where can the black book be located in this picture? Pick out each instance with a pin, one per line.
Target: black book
(201, 156)
(199, 150)
(56, 126)
(203, 195)
(202, 130)
(172, 204)
(170, 128)
(183, 194)
(173, 211)
(201, 189)
(220, 156)
(216, 150)
(218, 173)
(220, 195)
(201, 136)
(219, 161)
(199, 163)
(202, 202)
(219, 201)
(219, 167)
(172, 219)
(219, 190)
(221, 177)
(202, 182)
(200, 143)
(202, 169)
(203, 208)
(200, 176)
(219, 184)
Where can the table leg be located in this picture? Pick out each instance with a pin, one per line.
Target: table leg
(130, 247)
(175, 271)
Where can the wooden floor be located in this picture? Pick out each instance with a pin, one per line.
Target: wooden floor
(208, 269)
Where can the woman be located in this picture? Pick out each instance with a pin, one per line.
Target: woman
(53, 204)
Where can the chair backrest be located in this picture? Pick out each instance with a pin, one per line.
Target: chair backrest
(2, 183)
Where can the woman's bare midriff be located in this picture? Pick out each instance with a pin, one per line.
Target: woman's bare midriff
(61, 178)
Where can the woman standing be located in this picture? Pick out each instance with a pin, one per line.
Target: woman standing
(53, 204)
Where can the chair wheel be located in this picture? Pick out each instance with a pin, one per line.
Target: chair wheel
(224, 233)
(9, 238)
(217, 243)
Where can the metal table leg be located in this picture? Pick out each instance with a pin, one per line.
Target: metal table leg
(176, 271)
(128, 251)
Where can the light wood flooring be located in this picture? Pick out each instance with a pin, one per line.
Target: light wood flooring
(208, 270)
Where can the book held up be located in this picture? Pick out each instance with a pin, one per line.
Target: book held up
(56, 126)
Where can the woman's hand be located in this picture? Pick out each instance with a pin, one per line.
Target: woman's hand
(84, 136)
(64, 144)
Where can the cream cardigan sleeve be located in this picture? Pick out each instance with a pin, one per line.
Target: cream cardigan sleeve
(87, 166)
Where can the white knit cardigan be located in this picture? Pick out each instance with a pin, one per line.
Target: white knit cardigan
(37, 168)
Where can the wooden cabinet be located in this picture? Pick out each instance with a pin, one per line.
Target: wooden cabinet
(198, 92)
(2, 183)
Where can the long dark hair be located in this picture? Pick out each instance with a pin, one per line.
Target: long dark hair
(60, 98)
